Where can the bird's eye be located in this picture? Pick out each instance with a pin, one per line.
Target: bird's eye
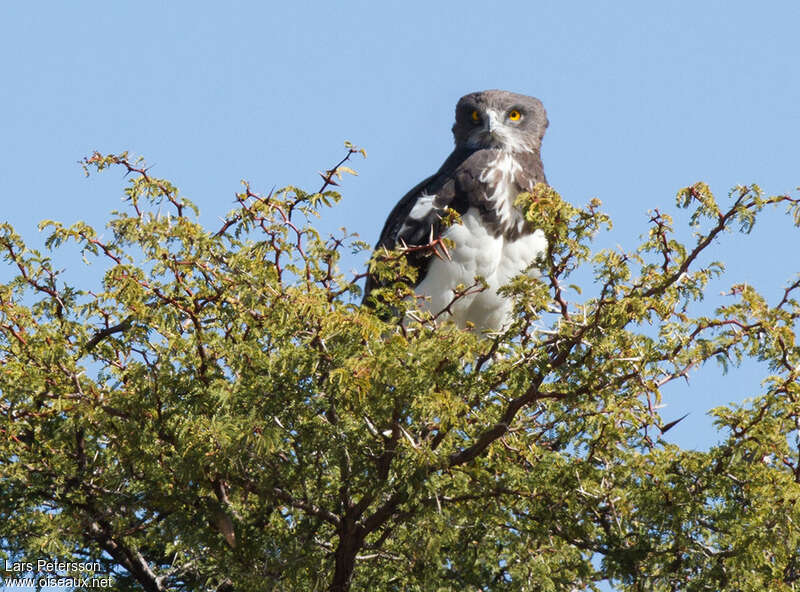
(514, 115)
(476, 117)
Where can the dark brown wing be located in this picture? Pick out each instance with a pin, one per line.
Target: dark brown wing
(411, 220)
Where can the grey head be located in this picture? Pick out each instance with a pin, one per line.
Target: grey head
(501, 120)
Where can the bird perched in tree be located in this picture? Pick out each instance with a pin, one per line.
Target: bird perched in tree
(497, 155)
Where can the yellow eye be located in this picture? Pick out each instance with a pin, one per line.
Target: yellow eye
(514, 115)
(476, 117)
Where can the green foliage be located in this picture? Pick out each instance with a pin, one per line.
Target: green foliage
(219, 415)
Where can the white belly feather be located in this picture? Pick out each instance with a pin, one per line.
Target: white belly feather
(477, 253)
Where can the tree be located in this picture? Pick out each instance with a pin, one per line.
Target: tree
(220, 415)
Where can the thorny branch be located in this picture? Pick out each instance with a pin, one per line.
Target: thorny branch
(723, 222)
(103, 333)
(170, 194)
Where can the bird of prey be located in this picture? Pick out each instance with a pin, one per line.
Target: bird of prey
(497, 155)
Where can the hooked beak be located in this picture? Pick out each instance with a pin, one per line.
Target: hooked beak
(492, 133)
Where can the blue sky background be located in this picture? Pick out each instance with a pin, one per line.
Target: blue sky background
(643, 99)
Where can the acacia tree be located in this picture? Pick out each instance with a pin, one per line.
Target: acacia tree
(220, 415)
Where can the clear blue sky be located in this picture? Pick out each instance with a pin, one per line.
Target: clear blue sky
(643, 98)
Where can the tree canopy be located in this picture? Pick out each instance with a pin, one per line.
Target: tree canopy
(220, 414)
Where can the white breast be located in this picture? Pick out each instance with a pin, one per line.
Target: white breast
(478, 253)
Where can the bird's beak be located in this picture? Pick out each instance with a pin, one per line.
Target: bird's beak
(490, 134)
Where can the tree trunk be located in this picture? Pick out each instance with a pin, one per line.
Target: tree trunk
(349, 544)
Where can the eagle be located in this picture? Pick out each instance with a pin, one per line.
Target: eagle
(497, 155)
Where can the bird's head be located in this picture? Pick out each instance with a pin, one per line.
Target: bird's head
(500, 119)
